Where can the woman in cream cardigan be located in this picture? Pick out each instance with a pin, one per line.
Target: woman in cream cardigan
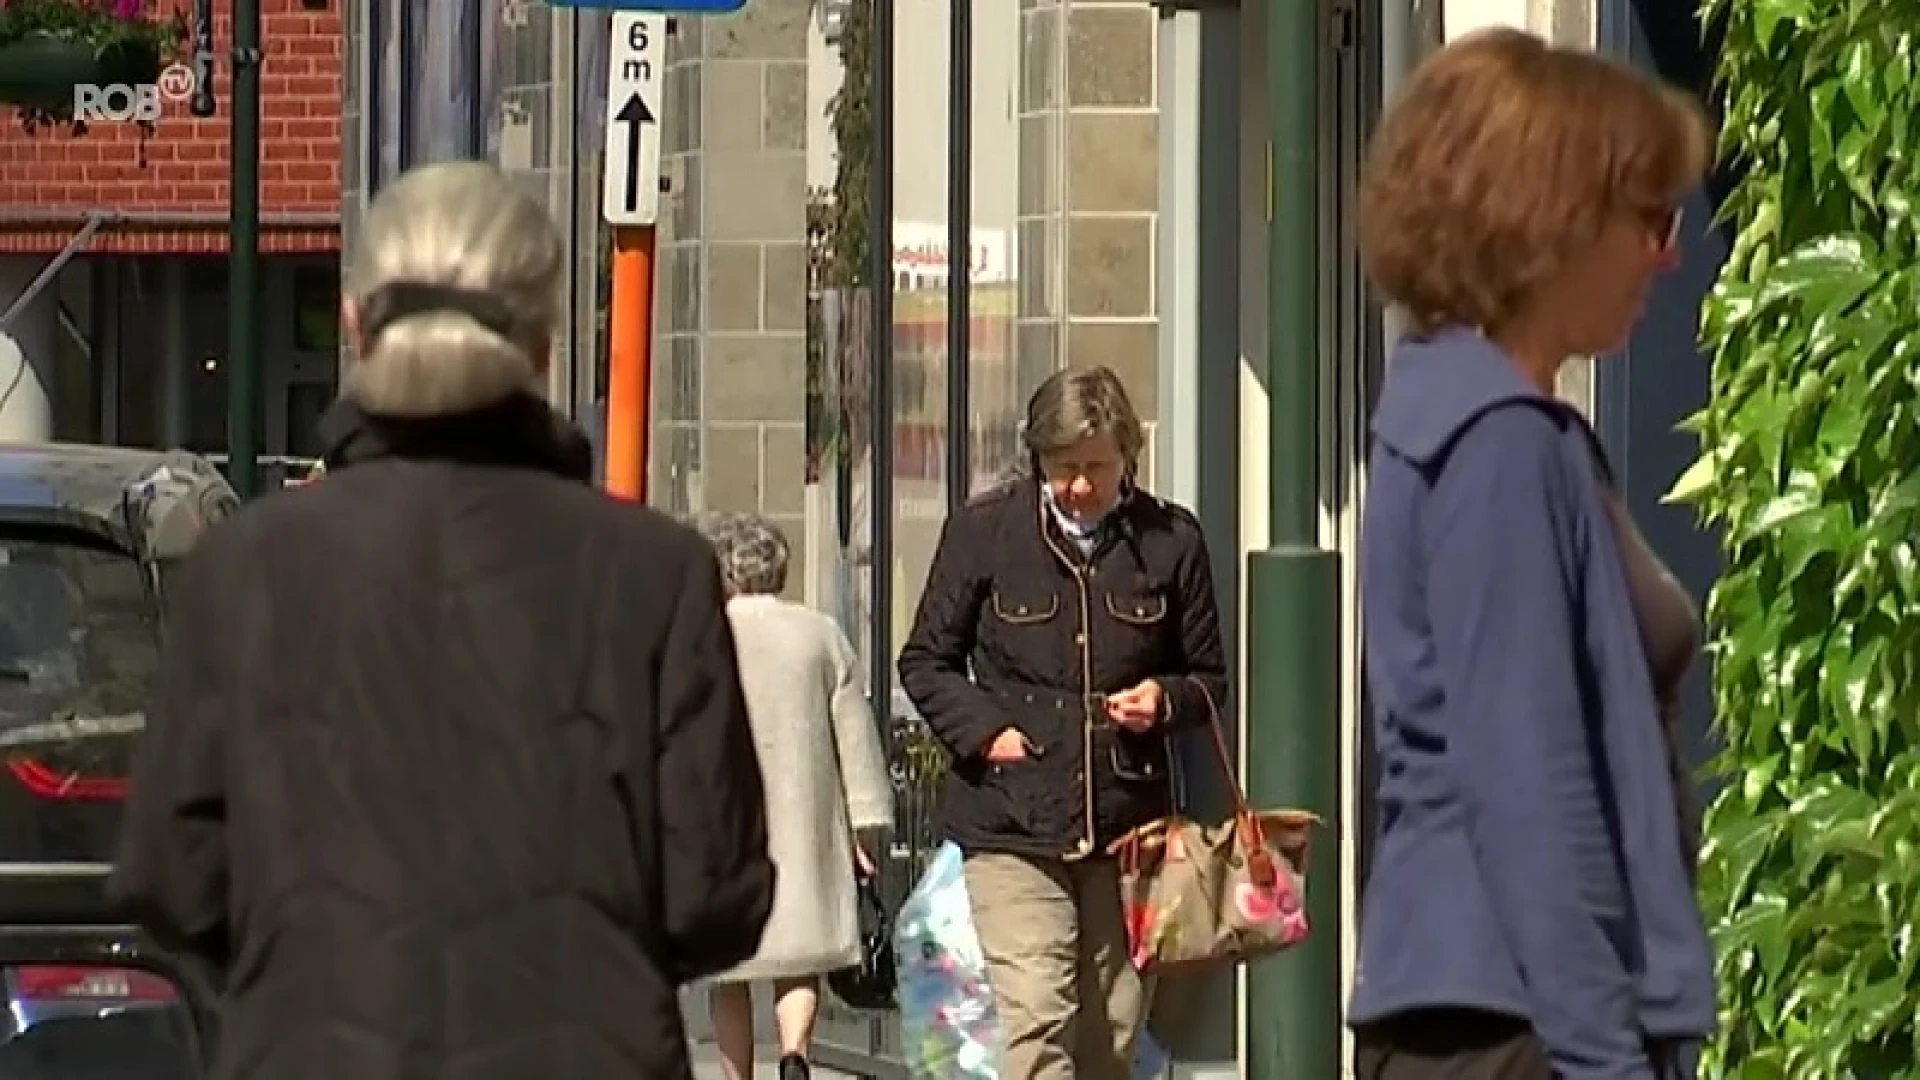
(829, 803)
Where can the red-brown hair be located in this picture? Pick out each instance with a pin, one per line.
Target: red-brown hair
(1505, 156)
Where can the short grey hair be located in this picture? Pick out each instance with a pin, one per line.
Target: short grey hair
(464, 225)
(1077, 404)
(753, 553)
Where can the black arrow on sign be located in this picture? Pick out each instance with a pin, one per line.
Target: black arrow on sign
(635, 115)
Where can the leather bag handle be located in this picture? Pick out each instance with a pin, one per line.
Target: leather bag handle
(1246, 823)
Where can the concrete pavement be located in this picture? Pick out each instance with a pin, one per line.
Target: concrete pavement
(706, 1066)
(706, 1061)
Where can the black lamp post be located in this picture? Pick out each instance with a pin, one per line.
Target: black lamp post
(243, 228)
(243, 232)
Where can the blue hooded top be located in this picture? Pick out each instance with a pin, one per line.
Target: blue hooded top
(1527, 860)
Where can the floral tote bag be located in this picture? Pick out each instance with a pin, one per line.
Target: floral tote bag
(1203, 896)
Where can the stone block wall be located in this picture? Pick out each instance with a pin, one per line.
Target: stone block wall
(731, 289)
(1089, 190)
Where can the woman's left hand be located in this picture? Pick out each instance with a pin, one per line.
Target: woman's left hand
(868, 845)
(1137, 709)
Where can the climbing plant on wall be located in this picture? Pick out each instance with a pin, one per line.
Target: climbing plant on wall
(1811, 469)
(838, 233)
(850, 113)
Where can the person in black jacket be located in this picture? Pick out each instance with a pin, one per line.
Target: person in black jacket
(1067, 628)
(449, 774)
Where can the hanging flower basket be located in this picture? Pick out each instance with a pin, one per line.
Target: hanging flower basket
(48, 47)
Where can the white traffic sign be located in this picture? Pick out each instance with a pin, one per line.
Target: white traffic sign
(630, 194)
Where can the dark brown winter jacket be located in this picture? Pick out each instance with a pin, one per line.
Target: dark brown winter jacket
(450, 772)
(1016, 628)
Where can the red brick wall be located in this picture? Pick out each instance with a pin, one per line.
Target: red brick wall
(47, 173)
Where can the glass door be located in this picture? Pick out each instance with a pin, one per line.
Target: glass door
(298, 362)
(297, 395)
(302, 381)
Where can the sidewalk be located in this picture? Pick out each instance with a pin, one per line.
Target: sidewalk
(706, 1066)
(706, 1060)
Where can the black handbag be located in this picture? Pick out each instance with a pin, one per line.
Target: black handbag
(871, 983)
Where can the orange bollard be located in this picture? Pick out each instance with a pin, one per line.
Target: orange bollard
(630, 361)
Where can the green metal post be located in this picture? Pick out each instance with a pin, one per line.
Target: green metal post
(1293, 1001)
(243, 261)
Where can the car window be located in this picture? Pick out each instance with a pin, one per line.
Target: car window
(79, 651)
(78, 630)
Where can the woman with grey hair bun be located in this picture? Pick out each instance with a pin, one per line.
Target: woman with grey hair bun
(453, 300)
(829, 802)
(1067, 628)
(453, 771)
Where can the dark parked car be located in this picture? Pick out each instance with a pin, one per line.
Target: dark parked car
(86, 998)
(88, 538)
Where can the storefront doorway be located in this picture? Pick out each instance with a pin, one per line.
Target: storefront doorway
(164, 357)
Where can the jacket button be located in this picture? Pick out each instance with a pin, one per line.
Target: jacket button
(1140, 611)
(1020, 611)
(1029, 699)
(1079, 639)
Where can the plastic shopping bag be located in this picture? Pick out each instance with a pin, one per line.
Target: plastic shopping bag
(948, 1026)
(1150, 1060)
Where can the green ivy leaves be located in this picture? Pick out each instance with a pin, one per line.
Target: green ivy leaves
(851, 114)
(1811, 468)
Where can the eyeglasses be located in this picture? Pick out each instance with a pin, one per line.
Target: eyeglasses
(1666, 225)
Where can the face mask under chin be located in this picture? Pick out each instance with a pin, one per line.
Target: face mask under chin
(1079, 526)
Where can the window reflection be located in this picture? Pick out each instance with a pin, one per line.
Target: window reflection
(316, 308)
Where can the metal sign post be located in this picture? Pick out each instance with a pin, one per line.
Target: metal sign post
(630, 200)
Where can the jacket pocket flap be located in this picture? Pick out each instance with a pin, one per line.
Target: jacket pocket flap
(1024, 611)
(1140, 609)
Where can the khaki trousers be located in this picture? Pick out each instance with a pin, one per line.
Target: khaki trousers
(1055, 941)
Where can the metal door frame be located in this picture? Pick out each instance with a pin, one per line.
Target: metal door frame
(286, 367)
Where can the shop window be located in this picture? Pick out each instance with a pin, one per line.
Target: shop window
(306, 403)
(75, 387)
(316, 308)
